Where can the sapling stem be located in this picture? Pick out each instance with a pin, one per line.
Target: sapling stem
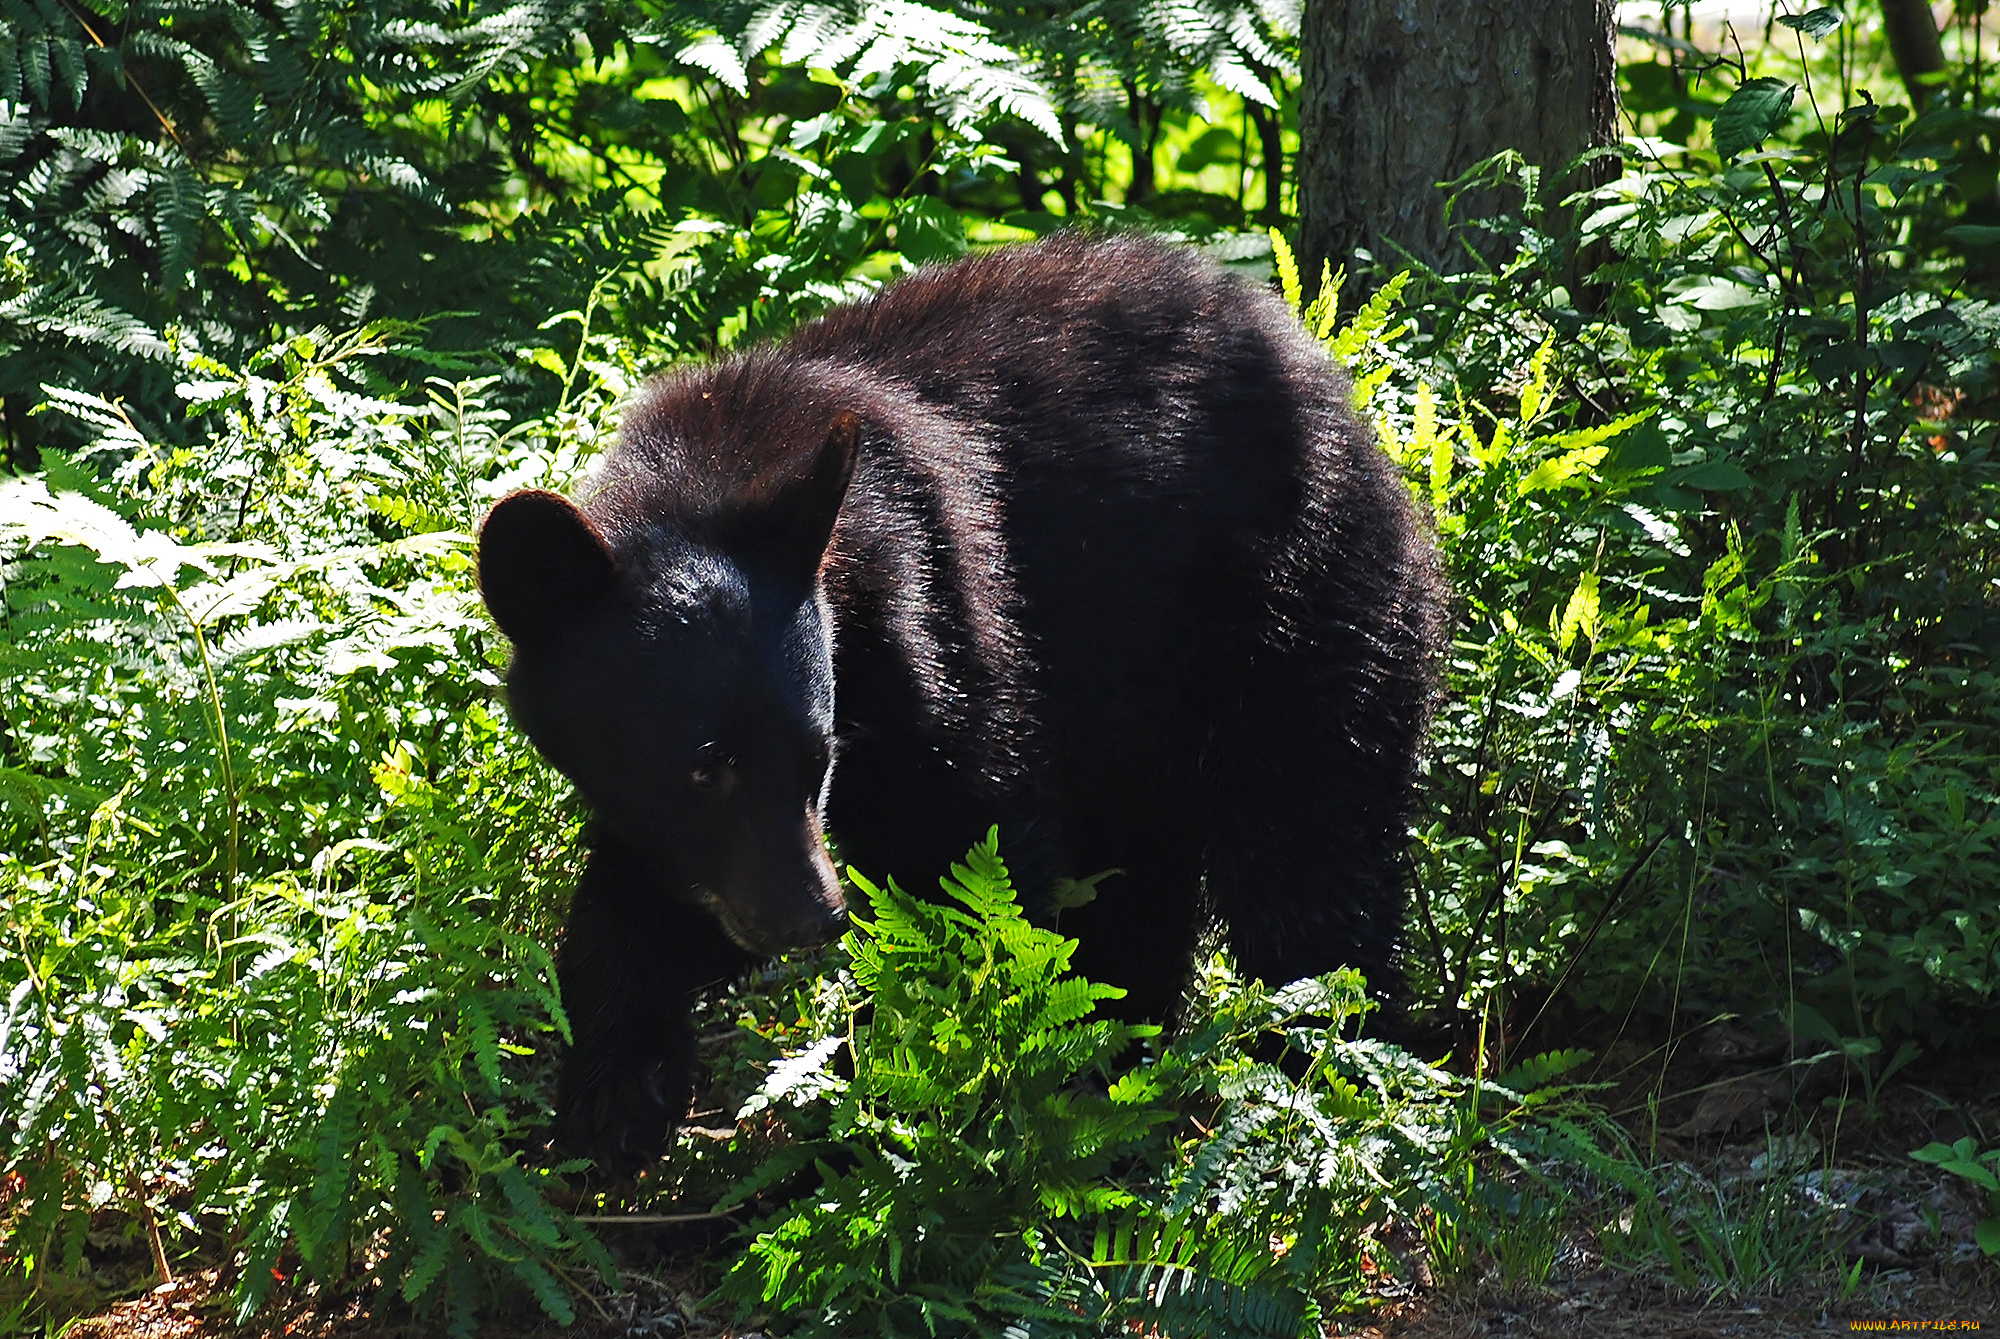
(137, 1189)
(215, 707)
(221, 743)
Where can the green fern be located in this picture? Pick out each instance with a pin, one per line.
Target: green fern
(1188, 1304)
(951, 56)
(962, 1127)
(1536, 1072)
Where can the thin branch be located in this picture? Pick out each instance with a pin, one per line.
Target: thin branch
(138, 88)
(1611, 904)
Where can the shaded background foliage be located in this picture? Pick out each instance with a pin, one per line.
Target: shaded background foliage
(278, 878)
(209, 177)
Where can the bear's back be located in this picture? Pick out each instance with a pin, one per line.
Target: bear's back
(1140, 408)
(1104, 332)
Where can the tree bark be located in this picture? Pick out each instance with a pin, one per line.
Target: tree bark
(1271, 151)
(1146, 138)
(1914, 42)
(1400, 95)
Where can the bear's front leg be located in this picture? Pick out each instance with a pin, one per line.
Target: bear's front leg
(632, 959)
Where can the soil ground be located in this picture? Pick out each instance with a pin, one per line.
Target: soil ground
(1605, 1305)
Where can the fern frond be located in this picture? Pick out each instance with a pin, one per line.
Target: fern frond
(954, 60)
(1239, 1122)
(1189, 1304)
(779, 1167)
(1370, 324)
(320, 1230)
(1536, 1071)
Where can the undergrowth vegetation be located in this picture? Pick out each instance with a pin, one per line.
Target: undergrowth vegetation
(275, 894)
(1729, 745)
(279, 881)
(967, 1182)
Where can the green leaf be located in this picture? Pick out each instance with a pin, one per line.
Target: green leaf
(711, 55)
(1712, 293)
(1753, 113)
(1715, 476)
(1961, 1159)
(1535, 393)
(1815, 23)
(1974, 236)
(1536, 1071)
(15, 128)
(929, 230)
(1579, 616)
(1566, 470)
(1371, 322)
(409, 513)
(1324, 309)
(1215, 145)
(1288, 269)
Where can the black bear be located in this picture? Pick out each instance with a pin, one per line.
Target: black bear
(1080, 538)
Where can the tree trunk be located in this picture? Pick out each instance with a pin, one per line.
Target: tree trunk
(1146, 135)
(1400, 95)
(1914, 42)
(1271, 150)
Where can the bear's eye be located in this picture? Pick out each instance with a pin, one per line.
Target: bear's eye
(713, 770)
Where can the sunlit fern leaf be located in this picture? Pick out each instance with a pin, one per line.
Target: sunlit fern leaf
(1370, 324)
(63, 311)
(1190, 1304)
(1068, 1000)
(952, 57)
(410, 514)
(1237, 1125)
(180, 210)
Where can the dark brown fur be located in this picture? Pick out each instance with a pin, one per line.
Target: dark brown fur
(1117, 569)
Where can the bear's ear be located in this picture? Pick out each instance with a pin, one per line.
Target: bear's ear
(791, 527)
(540, 561)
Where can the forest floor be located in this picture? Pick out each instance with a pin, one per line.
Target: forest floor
(1609, 1305)
(1909, 1227)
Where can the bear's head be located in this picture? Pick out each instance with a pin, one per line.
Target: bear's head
(681, 674)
